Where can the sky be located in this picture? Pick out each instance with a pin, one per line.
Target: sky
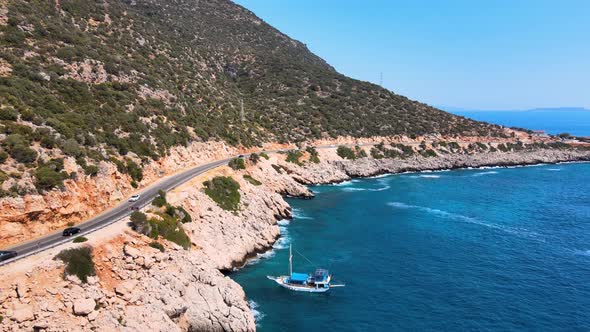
(473, 54)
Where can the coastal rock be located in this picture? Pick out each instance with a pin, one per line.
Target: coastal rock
(22, 312)
(84, 306)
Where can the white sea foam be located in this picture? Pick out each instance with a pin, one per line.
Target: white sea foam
(426, 176)
(459, 217)
(554, 169)
(379, 176)
(353, 189)
(258, 315)
(341, 184)
(284, 222)
(284, 240)
(484, 173)
(380, 189)
(350, 189)
(298, 214)
(265, 255)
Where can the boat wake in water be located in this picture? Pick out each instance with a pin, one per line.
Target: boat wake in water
(466, 219)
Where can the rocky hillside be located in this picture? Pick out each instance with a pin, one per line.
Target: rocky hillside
(127, 80)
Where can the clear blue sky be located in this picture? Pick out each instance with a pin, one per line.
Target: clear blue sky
(498, 54)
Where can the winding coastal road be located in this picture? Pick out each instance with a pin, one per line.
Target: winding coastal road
(123, 210)
(112, 215)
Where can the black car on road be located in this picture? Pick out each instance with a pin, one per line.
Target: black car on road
(71, 231)
(6, 255)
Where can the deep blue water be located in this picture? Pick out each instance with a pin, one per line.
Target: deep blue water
(491, 249)
(574, 122)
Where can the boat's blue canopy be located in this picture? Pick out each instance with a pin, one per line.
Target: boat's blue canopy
(298, 277)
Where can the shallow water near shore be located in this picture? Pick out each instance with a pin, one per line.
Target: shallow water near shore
(482, 249)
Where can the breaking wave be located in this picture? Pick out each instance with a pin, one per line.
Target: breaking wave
(426, 176)
(554, 169)
(352, 189)
(261, 256)
(298, 214)
(459, 217)
(284, 240)
(484, 173)
(258, 315)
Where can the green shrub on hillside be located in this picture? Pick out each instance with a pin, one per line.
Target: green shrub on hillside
(134, 171)
(360, 152)
(313, 154)
(17, 147)
(91, 170)
(264, 155)
(182, 215)
(160, 200)
(428, 153)
(139, 223)
(171, 229)
(8, 113)
(252, 180)
(293, 157)
(3, 157)
(157, 245)
(224, 191)
(80, 239)
(78, 262)
(237, 164)
(48, 177)
(345, 152)
(376, 153)
(254, 158)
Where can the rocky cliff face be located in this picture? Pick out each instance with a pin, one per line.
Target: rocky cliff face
(139, 287)
(32, 215)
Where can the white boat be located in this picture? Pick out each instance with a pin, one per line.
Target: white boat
(319, 282)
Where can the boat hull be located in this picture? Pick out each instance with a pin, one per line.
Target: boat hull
(297, 288)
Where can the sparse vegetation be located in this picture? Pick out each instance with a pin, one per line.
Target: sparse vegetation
(224, 191)
(313, 154)
(139, 223)
(254, 158)
(80, 239)
(160, 200)
(171, 229)
(157, 245)
(293, 157)
(237, 164)
(277, 168)
(252, 180)
(345, 152)
(78, 262)
(264, 155)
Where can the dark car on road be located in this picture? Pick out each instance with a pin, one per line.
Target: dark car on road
(71, 231)
(6, 255)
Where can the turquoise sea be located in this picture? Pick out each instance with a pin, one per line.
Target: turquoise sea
(502, 249)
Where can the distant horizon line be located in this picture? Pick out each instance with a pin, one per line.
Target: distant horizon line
(464, 109)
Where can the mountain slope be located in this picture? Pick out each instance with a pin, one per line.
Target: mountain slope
(100, 79)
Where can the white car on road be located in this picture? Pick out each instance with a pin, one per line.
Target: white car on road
(134, 198)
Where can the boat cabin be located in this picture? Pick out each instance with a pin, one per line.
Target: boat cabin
(298, 278)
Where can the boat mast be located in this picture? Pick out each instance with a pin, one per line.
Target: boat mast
(290, 261)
